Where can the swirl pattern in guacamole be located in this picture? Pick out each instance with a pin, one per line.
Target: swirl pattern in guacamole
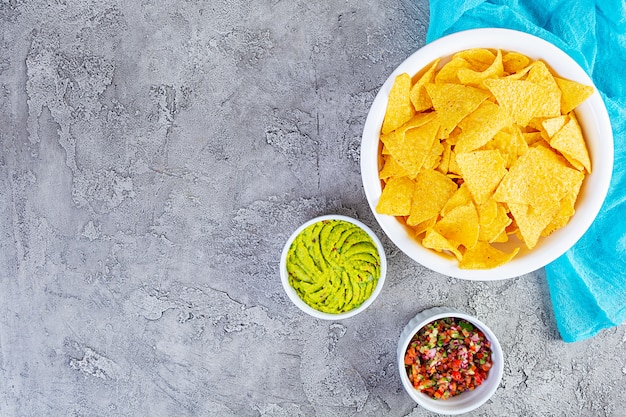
(333, 265)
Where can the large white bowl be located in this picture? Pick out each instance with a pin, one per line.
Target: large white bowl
(592, 115)
(293, 295)
(468, 400)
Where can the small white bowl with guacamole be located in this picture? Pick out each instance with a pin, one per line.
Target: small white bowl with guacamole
(333, 267)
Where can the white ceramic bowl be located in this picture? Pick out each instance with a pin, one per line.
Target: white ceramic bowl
(592, 116)
(293, 295)
(468, 400)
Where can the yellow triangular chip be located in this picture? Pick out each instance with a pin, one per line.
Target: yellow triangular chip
(485, 256)
(487, 212)
(550, 104)
(444, 163)
(482, 172)
(552, 125)
(391, 168)
(432, 190)
(539, 178)
(448, 73)
(479, 59)
(460, 225)
(480, 126)
(514, 62)
(410, 147)
(511, 144)
(495, 230)
(476, 77)
(566, 211)
(572, 94)
(418, 95)
(424, 226)
(532, 137)
(532, 222)
(399, 108)
(461, 197)
(420, 119)
(433, 158)
(453, 102)
(570, 142)
(433, 240)
(396, 197)
(520, 98)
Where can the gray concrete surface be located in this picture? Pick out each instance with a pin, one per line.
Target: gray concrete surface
(155, 156)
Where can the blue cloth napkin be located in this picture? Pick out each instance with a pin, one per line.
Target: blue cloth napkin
(588, 283)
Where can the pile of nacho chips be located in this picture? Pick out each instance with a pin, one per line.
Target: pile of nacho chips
(480, 149)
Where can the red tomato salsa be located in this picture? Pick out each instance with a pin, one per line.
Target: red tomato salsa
(447, 357)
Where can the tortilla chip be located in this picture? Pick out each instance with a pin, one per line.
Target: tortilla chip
(444, 163)
(532, 137)
(448, 73)
(485, 256)
(521, 99)
(453, 102)
(453, 167)
(409, 147)
(482, 172)
(399, 107)
(572, 94)
(461, 197)
(480, 126)
(539, 178)
(531, 222)
(565, 213)
(479, 59)
(434, 240)
(520, 74)
(514, 62)
(433, 158)
(396, 197)
(495, 231)
(510, 143)
(550, 105)
(424, 226)
(487, 211)
(476, 77)
(570, 142)
(391, 168)
(460, 225)
(432, 190)
(418, 95)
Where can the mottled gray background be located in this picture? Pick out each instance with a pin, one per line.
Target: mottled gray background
(155, 156)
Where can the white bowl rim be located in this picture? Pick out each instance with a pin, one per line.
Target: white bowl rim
(293, 295)
(592, 115)
(458, 404)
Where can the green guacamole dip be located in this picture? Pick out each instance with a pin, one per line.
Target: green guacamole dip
(333, 265)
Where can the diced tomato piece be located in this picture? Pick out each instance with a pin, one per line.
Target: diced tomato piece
(478, 379)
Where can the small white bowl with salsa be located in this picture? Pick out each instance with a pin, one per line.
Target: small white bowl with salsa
(459, 361)
(333, 267)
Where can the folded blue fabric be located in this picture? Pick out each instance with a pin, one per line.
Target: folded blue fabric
(588, 283)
